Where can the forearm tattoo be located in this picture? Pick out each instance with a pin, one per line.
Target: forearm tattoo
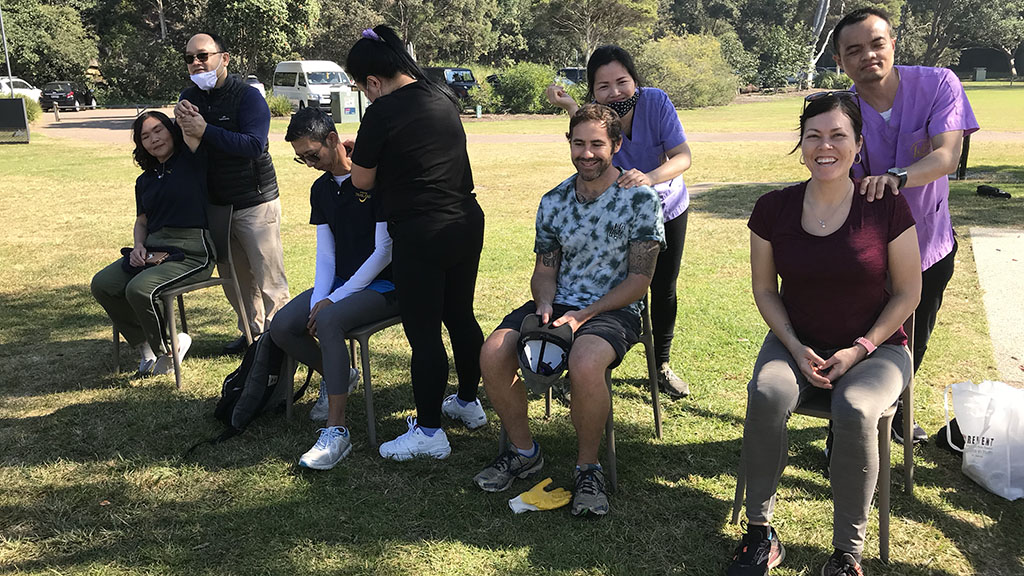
(643, 256)
(551, 259)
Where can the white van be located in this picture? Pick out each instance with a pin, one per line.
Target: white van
(309, 82)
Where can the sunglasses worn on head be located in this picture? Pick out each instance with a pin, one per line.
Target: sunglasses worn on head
(840, 94)
(202, 56)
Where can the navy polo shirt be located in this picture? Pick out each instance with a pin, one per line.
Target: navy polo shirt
(174, 193)
(352, 216)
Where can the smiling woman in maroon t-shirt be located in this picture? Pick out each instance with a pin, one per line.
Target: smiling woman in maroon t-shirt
(851, 275)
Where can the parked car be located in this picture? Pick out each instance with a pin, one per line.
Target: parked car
(253, 81)
(573, 75)
(309, 82)
(67, 95)
(460, 80)
(21, 88)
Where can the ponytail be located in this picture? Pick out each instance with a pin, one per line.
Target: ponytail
(380, 52)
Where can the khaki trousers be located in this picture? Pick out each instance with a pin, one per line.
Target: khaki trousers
(259, 264)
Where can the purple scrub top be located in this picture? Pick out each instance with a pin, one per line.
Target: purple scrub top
(929, 101)
(656, 130)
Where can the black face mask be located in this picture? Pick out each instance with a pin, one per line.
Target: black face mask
(623, 107)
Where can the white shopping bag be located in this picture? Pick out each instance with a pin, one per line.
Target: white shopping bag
(991, 417)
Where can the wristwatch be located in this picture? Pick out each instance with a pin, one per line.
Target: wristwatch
(900, 173)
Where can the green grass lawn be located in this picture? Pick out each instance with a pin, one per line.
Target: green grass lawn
(94, 481)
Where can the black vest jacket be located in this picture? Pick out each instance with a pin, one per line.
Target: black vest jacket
(236, 180)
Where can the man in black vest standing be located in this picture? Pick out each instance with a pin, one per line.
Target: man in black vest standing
(233, 122)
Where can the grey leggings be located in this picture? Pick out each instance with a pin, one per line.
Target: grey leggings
(330, 356)
(858, 399)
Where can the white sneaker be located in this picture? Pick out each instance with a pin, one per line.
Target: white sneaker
(472, 415)
(146, 359)
(321, 409)
(164, 364)
(332, 446)
(416, 444)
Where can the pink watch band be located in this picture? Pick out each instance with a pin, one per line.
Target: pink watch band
(866, 344)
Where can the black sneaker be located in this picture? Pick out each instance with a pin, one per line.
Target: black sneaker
(842, 564)
(588, 495)
(755, 555)
(237, 346)
(920, 436)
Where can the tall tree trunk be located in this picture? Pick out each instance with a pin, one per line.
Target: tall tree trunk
(820, 15)
(163, 21)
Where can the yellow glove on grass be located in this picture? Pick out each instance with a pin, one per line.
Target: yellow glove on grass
(544, 499)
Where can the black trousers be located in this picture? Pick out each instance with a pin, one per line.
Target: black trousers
(933, 285)
(663, 287)
(434, 270)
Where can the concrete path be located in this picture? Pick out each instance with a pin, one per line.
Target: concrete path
(999, 256)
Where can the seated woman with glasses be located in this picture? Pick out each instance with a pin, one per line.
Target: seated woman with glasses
(851, 275)
(170, 204)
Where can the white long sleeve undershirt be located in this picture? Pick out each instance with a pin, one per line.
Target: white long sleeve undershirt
(361, 278)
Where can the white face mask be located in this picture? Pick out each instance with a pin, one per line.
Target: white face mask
(206, 80)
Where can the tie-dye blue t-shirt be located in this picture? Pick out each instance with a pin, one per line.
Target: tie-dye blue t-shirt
(595, 237)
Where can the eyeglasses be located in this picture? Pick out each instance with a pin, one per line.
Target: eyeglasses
(202, 56)
(840, 94)
(308, 158)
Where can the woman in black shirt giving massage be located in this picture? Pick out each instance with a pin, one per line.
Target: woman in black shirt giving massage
(411, 148)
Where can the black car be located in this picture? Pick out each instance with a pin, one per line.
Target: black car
(68, 95)
(460, 80)
(574, 75)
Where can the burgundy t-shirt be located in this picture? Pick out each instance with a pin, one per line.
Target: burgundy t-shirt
(833, 287)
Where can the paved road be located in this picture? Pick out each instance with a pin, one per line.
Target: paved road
(999, 253)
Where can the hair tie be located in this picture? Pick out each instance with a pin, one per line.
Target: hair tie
(369, 33)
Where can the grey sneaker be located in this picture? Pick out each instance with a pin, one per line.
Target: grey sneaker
(588, 495)
(506, 468)
(670, 383)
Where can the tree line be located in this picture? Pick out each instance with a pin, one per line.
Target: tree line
(138, 43)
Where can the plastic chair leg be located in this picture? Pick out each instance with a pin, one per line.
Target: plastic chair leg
(173, 330)
(117, 351)
(371, 419)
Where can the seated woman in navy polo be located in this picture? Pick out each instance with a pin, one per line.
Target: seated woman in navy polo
(352, 285)
(170, 202)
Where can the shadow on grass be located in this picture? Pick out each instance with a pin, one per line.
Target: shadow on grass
(731, 201)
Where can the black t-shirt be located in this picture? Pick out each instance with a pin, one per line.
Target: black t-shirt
(414, 138)
(352, 216)
(174, 193)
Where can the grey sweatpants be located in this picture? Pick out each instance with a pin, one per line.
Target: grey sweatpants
(133, 302)
(330, 356)
(858, 399)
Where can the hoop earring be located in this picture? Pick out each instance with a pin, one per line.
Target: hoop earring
(857, 158)
(801, 160)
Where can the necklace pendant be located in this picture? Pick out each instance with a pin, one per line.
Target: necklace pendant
(822, 222)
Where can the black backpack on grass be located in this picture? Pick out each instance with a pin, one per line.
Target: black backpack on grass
(257, 385)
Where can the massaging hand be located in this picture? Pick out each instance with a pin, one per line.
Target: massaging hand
(632, 178)
(543, 499)
(842, 361)
(188, 117)
(559, 97)
(812, 367)
(317, 308)
(873, 187)
(137, 257)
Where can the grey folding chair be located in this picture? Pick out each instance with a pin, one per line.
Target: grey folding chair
(647, 339)
(219, 219)
(819, 406)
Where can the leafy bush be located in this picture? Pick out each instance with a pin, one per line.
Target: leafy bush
(485, 97)
(780, 56)
(32, 108)
(829, 80)
(742, 62)
(690, 69)
(521, 88)
(279, 105)
(578, 91)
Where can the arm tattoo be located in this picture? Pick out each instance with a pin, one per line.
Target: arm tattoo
(551, 259)
(643, 256)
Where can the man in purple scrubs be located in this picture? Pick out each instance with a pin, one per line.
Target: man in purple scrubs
(915, 119)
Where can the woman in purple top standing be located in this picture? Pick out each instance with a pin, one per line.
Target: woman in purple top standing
(654, 153)
(835, 329)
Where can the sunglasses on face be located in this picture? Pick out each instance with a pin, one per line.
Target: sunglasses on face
(840, 94)
(201, 57)
(308, 158)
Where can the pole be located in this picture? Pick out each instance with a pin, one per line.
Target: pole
(7, 57)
